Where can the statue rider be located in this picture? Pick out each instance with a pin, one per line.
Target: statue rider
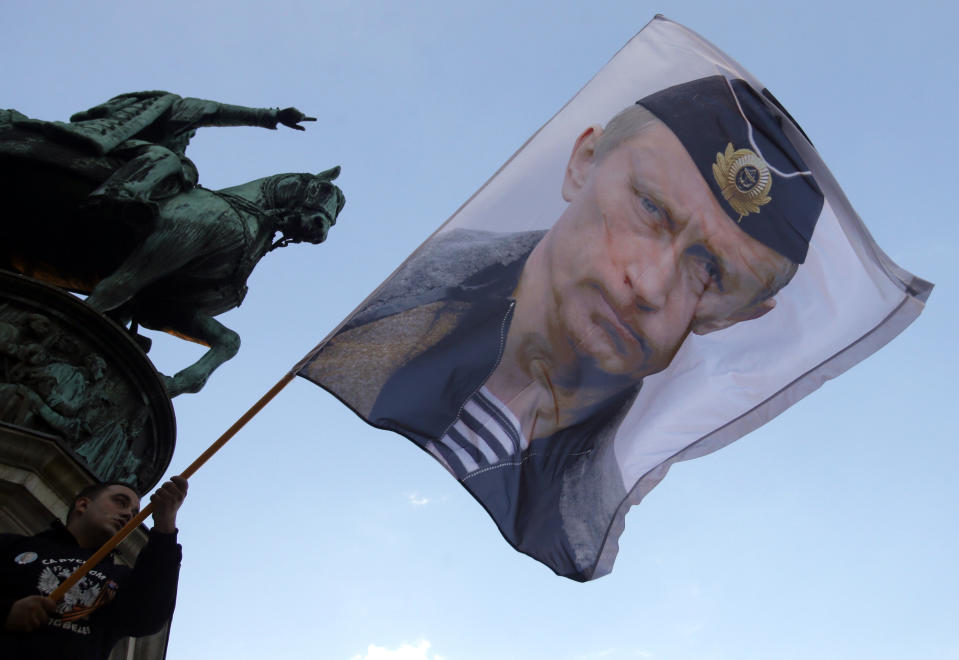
(149, 133)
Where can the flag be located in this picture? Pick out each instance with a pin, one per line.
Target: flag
(663, 267)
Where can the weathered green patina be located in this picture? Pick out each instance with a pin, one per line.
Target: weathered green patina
(69, 372)
(109, 205)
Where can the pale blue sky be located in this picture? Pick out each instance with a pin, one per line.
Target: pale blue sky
(828, 533)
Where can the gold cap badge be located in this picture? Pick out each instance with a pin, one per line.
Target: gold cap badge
(744, 179)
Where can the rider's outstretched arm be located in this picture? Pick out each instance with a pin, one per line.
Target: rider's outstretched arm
(199, 112)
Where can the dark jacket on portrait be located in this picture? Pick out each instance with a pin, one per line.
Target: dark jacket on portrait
(426, 342)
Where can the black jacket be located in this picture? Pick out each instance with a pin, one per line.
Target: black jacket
(110, 602)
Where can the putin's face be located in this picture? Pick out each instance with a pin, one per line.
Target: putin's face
(644, 255)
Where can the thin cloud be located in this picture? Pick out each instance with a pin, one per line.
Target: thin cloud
(418, 500)
(419, 651)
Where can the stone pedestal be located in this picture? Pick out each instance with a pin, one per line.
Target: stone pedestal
(69, 372)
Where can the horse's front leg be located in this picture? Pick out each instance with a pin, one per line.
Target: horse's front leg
(223, 343)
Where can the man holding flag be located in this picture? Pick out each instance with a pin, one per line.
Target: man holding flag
(109, 602)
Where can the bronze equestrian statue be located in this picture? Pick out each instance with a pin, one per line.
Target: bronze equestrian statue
(109, 205)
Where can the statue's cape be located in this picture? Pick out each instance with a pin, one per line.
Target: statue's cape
(104, 127)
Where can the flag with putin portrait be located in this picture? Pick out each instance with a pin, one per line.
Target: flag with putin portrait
(663, 267)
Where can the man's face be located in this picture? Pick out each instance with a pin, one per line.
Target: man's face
(103, 515)
(643, 255)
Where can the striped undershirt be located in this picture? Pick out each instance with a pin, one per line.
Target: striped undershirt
(485, 433)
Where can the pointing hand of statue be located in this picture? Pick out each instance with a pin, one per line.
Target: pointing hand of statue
(292, 117)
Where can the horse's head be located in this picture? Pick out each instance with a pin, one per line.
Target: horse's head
(306, 205)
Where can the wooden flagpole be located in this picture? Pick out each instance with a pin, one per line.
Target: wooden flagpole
(115, 540)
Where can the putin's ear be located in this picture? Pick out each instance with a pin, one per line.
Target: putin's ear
(746, 314)
(581, 162)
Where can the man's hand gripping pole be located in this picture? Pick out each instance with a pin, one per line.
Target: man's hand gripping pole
(58, 593)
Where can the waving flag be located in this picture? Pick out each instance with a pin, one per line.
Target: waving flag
(663, 267)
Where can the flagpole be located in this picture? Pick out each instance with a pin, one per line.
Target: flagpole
(135, 522)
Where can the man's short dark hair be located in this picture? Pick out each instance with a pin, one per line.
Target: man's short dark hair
(92, 491)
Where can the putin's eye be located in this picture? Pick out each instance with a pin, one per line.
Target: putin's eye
(650, 207)
(656, 212)
(708, 266)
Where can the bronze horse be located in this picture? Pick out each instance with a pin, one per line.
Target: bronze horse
(171, 270)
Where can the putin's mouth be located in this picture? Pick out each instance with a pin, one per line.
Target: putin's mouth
(612, 331)
(624, 337)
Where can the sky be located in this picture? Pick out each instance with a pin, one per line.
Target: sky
(828, 533)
